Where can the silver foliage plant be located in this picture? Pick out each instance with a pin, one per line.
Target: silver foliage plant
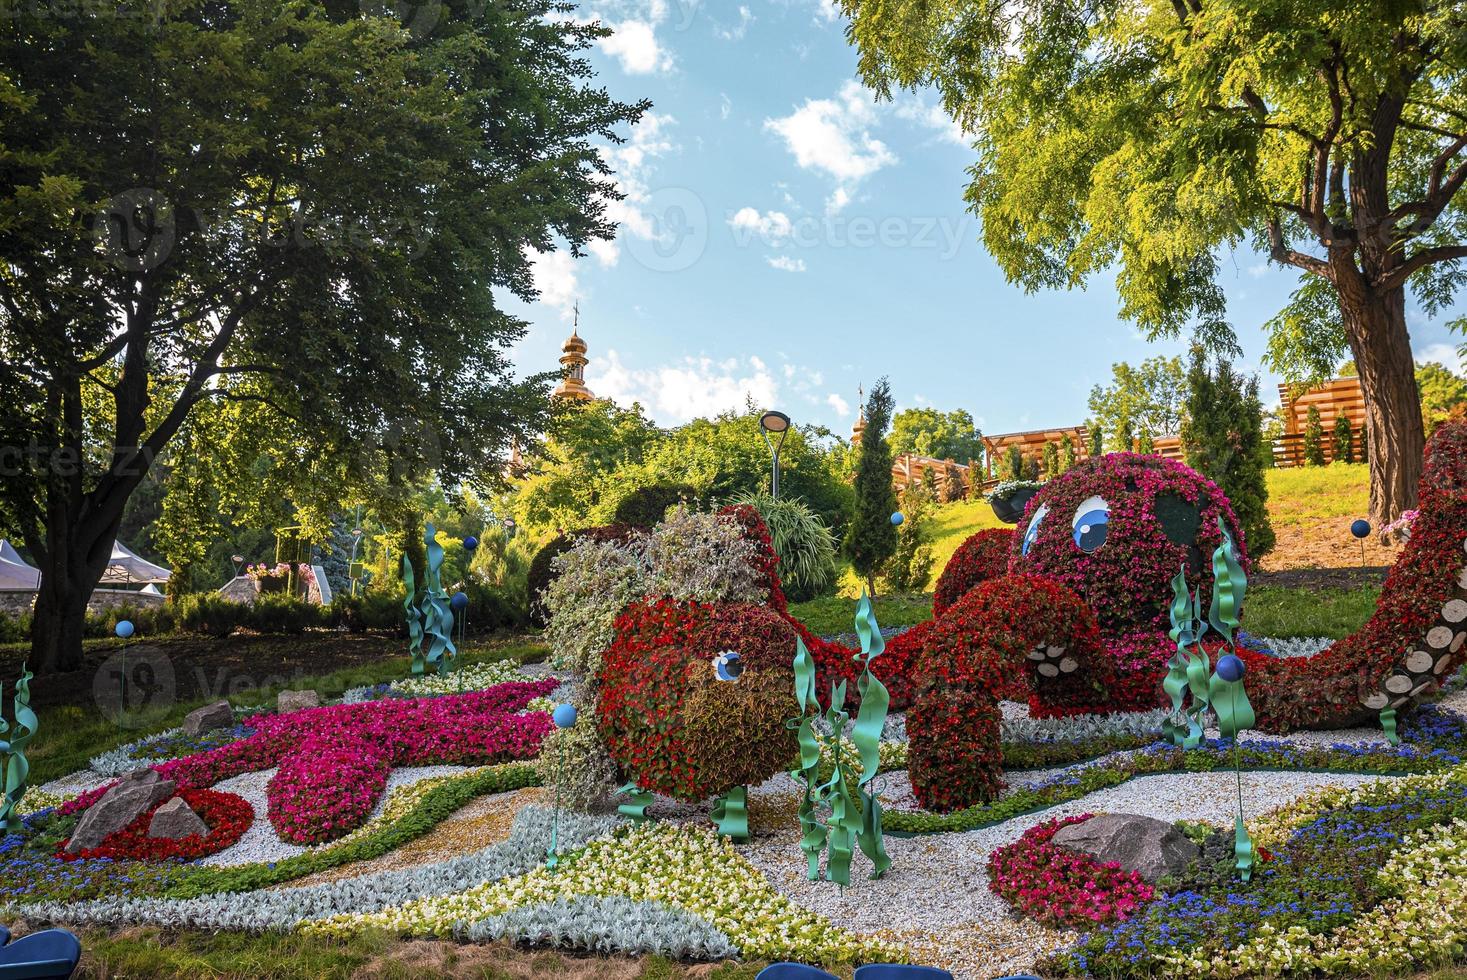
(281, 911)
(606, 925)
(594, 581)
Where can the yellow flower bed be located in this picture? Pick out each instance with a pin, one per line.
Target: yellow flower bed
(683, 867)
(1272, 829)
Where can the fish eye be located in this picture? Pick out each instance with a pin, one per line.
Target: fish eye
(1032, 533)
(728, 666)
(1092, 519)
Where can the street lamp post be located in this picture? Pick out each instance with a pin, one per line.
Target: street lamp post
(775, 426)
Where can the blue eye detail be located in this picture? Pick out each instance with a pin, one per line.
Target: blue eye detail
(1092, 521)
(1032, 533)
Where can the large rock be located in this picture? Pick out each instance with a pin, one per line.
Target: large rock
(134, 795)
(209, 717)
(1150, 847)
(288, 701)
(176, 819)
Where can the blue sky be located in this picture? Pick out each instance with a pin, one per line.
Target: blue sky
(788, 238)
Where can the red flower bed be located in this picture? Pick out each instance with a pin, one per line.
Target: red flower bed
(983, 556)
(980, 648)
(656, 681)
(226, 815)
(333, 760)
(1061, 887)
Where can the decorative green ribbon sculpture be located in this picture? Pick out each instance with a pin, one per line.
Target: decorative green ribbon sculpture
(848, 826)
(432, 619)
(1223, 691)
(638, 800)
(16, 768)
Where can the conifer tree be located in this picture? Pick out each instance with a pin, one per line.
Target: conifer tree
(871, 538)
(1313, 438)
(1222, 436)
(1344, 437)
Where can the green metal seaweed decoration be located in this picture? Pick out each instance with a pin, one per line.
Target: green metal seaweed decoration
(850, 825)
(431, 621)
(1221, 690)
(16, 768)
(635, 807)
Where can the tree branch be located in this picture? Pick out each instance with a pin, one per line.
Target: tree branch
(1281, 253)
(1397, 277)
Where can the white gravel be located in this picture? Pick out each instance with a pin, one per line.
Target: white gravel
(938, 883)
(261, 843)
(75, 784)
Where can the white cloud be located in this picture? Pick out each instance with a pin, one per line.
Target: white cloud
(827, 11)
(1258, 270)
(692, 388)
(841, 406)
(831, 135)
(555, 279)
(837, 201)
(633, 162)
(773, 227)
(786, 263)
(725, 106)
(737, 31)
(605, 252)
(1444, 354)
(932, 116)
(634, 45)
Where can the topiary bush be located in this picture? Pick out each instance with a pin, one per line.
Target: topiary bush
(542, 571)
(1018, 626)
(983, 556)
(594, 582)
(647, 506)
(210, 614)
(805, 546)
(706, 557)
(577, 757)
(670, 724)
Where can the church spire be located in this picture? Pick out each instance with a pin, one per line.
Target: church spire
(573, 360)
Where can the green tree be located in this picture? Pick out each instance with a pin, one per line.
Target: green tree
(871, 538)
(940, 435)
(1443, 393)
(1344, 440)
(1148, 139)
(1142, 399)
(910, 566)
(298, 204)
(1013, 463)
(1067, 454)
(1222, 438)
(1097, 438)
(1051, 460)
(1313, 438)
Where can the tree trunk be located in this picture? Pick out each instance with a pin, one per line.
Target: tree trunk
(1375, 323)
(57, 625)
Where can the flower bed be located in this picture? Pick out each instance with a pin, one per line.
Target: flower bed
(226, 815)
(315, 748)
(1062, 887)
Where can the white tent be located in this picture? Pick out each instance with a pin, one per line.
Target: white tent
(126, 568)
(14, 572)
(152, 589)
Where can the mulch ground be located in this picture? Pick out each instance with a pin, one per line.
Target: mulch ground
(1317, 579)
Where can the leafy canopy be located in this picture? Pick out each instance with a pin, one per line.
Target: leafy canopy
(1147, 400)
(940, 435)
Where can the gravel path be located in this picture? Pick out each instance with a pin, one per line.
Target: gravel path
(937, 888)
(261, 843)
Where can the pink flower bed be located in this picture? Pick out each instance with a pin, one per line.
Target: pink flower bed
(1061, 887)
(333, 762)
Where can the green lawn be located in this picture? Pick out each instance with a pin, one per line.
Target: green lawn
(1311, 493)
(1281, 612)
(837, 614)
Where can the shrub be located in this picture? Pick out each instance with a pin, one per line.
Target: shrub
(983, 556)
(870, 538)
(542, 566)
(1013, 463)
(909, 568)
(14, 629)
(805, 546)
(1222, 436)
(1051, 460)
(377, 610)
(210, 614)
(647, 506)
(278, 612)
(702, 556)
(147, 620)
(578, 757)
(593, 582)
(670, 724)
(1313, 438)
(1344, 440)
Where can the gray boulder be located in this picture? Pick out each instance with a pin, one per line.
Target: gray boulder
(288, 701)
(134, 795)
(209, 717)
(1150, 847)
(176, 819)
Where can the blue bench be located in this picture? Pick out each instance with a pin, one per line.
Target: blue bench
(872, 971)
(793, 971)
(49, 955)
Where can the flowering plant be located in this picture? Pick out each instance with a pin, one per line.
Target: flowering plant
(1062, 887)
(226, 815)
(983, 556)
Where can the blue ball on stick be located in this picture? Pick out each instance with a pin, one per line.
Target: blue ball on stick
(459, 602)
(898, 517)
(564, 715)
(470, 543)
(1231, 669)
(123, 628)
(1361, 528)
